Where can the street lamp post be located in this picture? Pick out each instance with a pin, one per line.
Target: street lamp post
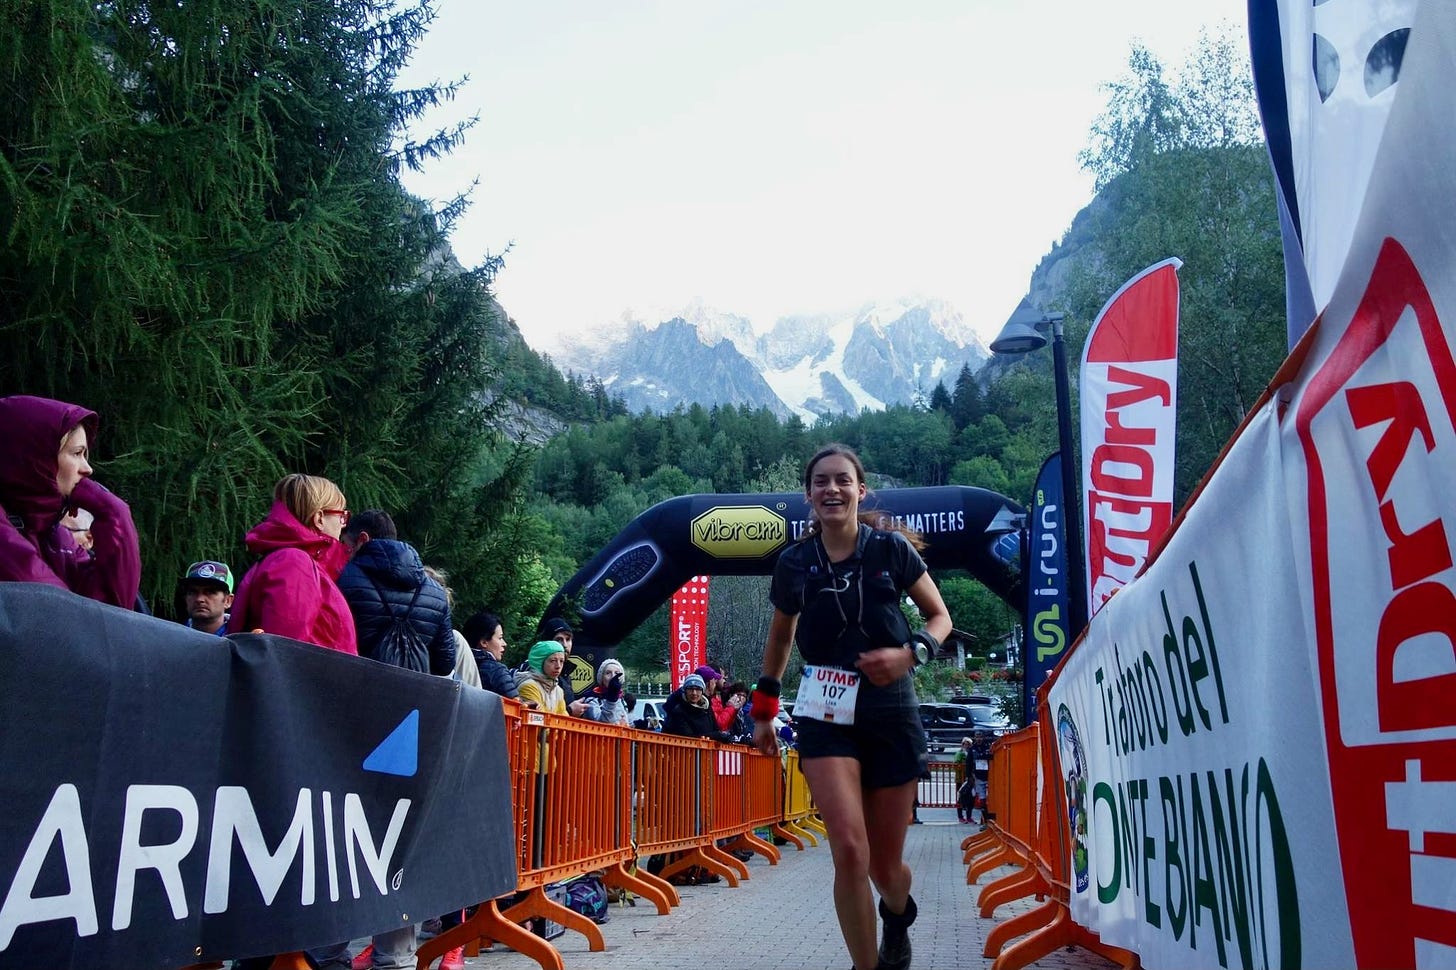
(1023, 334)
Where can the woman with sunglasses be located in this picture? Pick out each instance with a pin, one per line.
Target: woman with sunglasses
(836, 595)
(292, 591)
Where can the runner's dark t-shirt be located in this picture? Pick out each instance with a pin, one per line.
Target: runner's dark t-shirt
(848, 607)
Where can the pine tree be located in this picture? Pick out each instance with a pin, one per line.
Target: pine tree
(207, 243)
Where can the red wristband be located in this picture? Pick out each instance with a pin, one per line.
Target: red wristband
(765, 708)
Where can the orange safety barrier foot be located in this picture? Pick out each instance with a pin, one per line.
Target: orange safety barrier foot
(722, 857)
(985, 845)
(289, 961)
(970, 842)
(1002, 857)
(1087, 940)
(489, 923)
(617, 876)
(696, 857)
(537, 903)
(1060, 932)
(790, 837)
(466, 935)
(992, 845)
(1018, 885)
(1018, 926)
(660, 884)
(753, 843)
(1050, 937)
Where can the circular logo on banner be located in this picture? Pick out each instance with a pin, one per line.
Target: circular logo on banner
(580, 672)
(1074, 774)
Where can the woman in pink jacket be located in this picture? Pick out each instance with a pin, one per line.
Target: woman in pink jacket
(45, 472)
(292, 591)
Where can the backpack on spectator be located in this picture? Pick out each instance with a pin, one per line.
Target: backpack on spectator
(587, 895)
(401, 645)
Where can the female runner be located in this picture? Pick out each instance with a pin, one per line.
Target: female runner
(836, 594)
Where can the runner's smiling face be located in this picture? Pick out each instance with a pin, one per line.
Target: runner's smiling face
(835, 490)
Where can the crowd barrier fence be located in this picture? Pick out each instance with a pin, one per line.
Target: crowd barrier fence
(942, 788)
(588, 797)
(1029, 830)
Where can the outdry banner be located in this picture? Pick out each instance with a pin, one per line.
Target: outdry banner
(1373, 423)
(1257, 735)
(171, 797)
(687, 628)
(1129, 406)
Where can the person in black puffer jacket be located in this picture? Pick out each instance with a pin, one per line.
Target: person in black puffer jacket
(384, 579)
(693, 718)
(486, 636)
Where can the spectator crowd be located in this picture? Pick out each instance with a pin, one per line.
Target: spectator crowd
(324, 575)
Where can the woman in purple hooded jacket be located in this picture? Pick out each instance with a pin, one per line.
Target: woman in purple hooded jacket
(44, 473)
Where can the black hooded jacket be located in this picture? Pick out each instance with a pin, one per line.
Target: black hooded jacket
(380, 582)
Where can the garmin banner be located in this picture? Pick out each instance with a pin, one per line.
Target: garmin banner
(172, 797)
(1048, 619)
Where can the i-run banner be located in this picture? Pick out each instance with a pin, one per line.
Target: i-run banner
(171, 797)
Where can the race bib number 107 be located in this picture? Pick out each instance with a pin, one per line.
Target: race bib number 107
(827, 694)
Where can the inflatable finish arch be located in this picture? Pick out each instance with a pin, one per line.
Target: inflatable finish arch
(742, 535)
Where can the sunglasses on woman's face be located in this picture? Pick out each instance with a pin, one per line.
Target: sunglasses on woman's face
(343, 514)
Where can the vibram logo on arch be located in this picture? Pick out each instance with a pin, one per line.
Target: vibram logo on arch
(328, 835)
(739, 531)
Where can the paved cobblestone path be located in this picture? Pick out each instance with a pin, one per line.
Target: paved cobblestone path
(782, 918)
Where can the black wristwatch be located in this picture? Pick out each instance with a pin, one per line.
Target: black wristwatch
(923, 645)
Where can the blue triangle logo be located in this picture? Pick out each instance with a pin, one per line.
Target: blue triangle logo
(398, 754)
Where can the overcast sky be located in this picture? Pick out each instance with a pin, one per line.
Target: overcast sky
(777, 158)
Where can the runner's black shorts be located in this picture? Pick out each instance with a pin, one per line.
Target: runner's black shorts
(886, 737)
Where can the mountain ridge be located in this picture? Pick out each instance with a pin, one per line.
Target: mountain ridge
(805, 364)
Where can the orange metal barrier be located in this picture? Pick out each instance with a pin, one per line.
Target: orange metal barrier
(1049, 927)
(943, 786)
(748, 790)
(567, 822)
(1017, 828)
(590, 797)
(1011, 799)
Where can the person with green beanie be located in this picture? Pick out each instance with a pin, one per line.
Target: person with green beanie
(537, 684)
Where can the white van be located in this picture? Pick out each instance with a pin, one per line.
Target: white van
(649, 713)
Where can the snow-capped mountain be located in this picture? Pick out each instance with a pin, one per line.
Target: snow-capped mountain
(807, 365)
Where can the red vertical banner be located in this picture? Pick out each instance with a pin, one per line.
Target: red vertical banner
(687, 629)
(1129, 391)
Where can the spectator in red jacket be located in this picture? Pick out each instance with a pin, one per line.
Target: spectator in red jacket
(729, 713)
(45, 472)
(293, 591)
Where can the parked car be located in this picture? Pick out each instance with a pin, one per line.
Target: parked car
(946, 724)
(649, 713)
